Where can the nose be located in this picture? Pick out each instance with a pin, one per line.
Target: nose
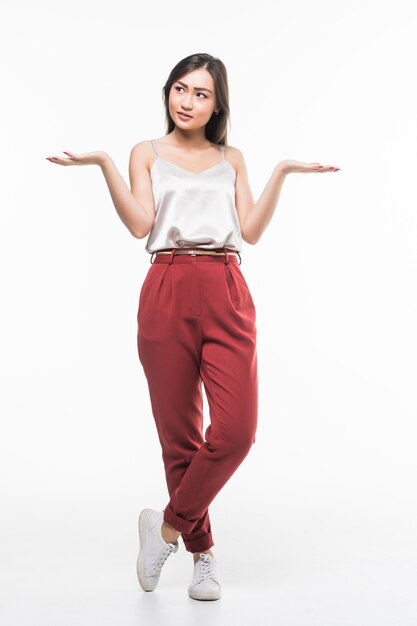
(186, 103)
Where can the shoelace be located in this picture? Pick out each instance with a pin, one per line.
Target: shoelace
(164, 555)
(207, 568)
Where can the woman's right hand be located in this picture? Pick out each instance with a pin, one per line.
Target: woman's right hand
(87, 158)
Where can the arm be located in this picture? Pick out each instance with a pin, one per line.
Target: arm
(135, 207)
(255, 217)
(261, 214)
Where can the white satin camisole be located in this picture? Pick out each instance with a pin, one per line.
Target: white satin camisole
(194, 209)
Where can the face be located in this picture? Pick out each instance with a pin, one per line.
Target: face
(193, 94)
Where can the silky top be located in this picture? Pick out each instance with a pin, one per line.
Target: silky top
(194, 209)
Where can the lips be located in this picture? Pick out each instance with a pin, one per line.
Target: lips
(184, 114)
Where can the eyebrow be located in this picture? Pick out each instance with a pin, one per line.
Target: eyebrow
(195, 88)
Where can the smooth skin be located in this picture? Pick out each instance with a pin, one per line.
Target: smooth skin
(187, 147)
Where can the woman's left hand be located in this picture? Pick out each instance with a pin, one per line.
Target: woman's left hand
(288, 166)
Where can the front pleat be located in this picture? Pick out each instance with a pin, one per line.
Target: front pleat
(152, 286)
(231, 285)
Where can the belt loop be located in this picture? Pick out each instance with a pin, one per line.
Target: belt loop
(171, 256)
(152, 257)
(240, 260)
(227, 256)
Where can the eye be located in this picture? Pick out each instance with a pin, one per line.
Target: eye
(199, 92)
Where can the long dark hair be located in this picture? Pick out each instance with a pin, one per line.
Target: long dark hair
(216, 127)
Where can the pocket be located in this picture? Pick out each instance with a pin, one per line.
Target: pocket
(245, 287)
(238, 291)
(243, 279)
(145, 285)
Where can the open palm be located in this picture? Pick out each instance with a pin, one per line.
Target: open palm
(87, 158)
(290, 166)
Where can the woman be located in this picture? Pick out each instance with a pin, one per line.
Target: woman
(196, 317)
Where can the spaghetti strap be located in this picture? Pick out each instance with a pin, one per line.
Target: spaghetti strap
(222, 151)
(153, 141)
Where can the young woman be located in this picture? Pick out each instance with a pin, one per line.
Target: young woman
(191, 198)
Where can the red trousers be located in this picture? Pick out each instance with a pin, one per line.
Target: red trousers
(197, 323)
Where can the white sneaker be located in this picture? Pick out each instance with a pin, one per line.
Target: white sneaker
(154, 550)
(205, 584)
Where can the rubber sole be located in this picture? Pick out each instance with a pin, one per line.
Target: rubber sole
(214, 596)
(143, 536)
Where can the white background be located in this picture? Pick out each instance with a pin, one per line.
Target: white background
(318, 525)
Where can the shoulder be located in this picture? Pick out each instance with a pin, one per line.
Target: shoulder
(141, 155)
(236, 158)
(142, 148)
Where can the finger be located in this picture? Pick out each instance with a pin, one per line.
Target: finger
(59, 160)
(328, 168)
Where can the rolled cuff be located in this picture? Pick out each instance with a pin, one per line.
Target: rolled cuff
(205, 542)
(179, 523)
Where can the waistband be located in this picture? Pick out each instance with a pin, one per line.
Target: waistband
(206, 254)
